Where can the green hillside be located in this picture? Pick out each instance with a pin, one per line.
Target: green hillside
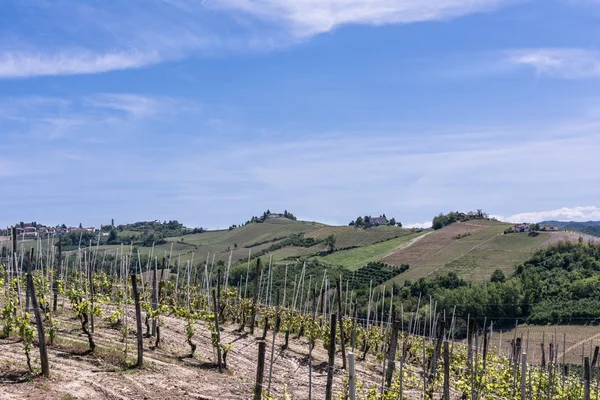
(473, 249)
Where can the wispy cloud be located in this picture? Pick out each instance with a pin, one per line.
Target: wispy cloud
(21, 65)
(129, 34)
(310, 17)
(566, 63)
(578, 214)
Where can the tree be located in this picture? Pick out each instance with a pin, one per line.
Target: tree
(112, 237)
(498, 276)
(330, 242)
(359, 221)
(399, 224)
(80, 226)
(392, 222)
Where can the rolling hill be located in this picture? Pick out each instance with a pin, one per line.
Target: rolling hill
(473, 249)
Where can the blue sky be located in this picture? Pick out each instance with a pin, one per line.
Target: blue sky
(212, 111)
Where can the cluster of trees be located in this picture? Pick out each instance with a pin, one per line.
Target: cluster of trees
(266, 214)
(368, 221)
(160, 229)
(442, 220)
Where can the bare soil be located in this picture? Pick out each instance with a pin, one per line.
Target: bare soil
(169, 372)
(568, 236)
(432, 243)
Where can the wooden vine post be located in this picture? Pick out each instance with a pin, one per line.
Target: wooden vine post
(260, 370)
(331, 350)
(392, 351)
(57, 277)
(154, 298)
(586, 378)
(446, 371)
(524, 376)
(351, 377)
(254, 295)
(138, 322)
(340, 316)
(40, 327)
(217, 332)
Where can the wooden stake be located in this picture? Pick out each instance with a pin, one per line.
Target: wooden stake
(340, 316)
(254, 297)
(351, 377)
(138, 321)
(40, 328)
(446, 371)
(260, 370)
(331, 350)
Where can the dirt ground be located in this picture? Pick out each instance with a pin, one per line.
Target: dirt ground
(567, 236)
(431, 244)
(168, 373)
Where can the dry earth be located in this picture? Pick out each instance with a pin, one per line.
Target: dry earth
(169, 373)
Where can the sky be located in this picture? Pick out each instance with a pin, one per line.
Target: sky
(210, 112)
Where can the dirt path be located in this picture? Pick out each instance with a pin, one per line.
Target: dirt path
(407, 244)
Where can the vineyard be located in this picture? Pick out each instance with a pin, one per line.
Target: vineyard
(87, 325)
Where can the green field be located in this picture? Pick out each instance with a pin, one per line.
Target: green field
(356, 258)
(347, 236)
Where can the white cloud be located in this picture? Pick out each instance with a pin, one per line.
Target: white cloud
(27, 64)
(566, 63)
(418, 225)
(309, 17)
(126, 34)
(578, 214)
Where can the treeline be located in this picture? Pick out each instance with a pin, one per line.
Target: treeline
(268, 214)
(163, 229)
(368, 221)
(442, 220)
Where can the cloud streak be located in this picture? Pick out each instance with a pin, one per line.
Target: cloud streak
(22, 65)
(310, 17)
(567, 63)
(577, 214)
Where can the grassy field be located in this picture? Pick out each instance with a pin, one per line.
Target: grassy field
(356, 258)
(503, 252)
(347, 236)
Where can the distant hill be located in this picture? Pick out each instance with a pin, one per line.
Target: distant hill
(589, 227)
(471, 248)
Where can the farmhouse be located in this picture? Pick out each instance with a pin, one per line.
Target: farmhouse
(381, 220)
(273, 216)
(521, 228)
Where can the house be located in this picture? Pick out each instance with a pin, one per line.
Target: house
(381, 220)
(521, 228)
(273, 216)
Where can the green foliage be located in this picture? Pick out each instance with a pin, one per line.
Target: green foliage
(498, 276)
(329, 241)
